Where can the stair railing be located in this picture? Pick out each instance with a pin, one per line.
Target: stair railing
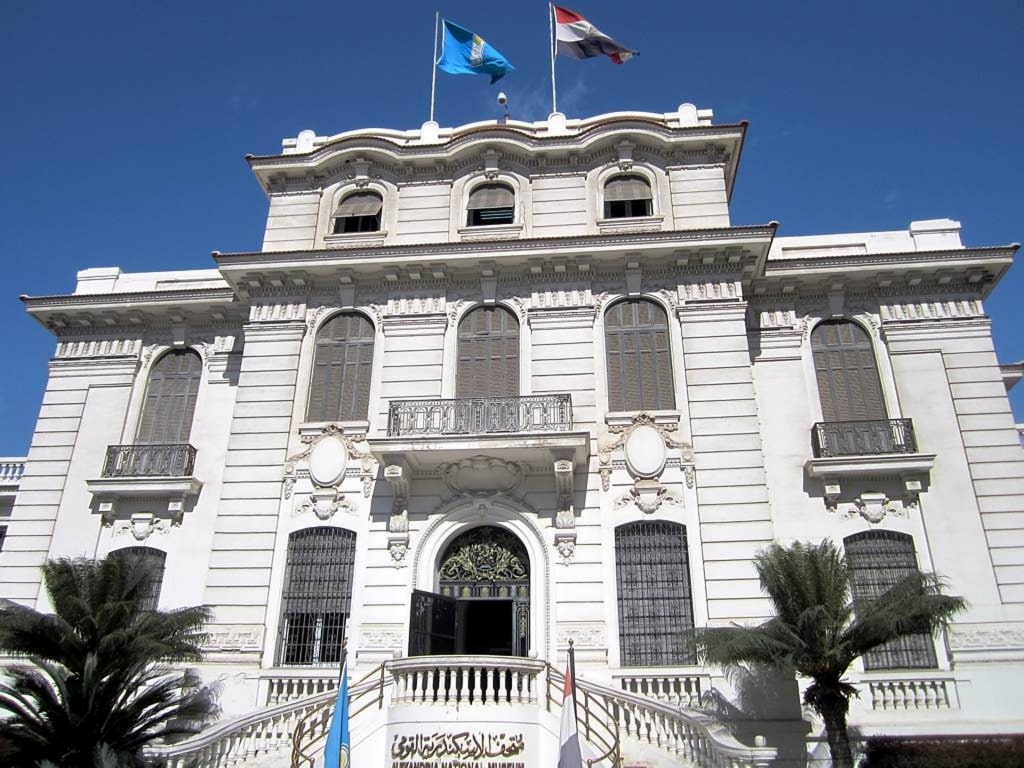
(597, 723)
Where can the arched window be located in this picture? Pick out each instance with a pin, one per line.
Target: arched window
(844, 364)
(342, 365)
(878, 560)
(155, 559)
(626, 197)
(358, 212)
(488, 352)
(317, 598)
(639, 362)
(170, 400)
(490, 204)
(655, 605)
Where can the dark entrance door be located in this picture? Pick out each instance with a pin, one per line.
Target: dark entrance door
(484, 574)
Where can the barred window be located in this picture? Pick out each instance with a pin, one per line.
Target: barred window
(844, 364)
(170, 401)
(358, 212)
(490, 204)
(317, 598)
(342, 366)
(627, 196)
(488, 352)
(878, 560)
(155, 558)
(639, 361)
(655, 603)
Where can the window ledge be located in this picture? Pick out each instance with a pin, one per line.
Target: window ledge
(355, 239)
(631, 224)
(625, 418)
(871, 466)
(491, 232)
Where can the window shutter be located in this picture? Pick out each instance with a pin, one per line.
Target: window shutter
(491, 196)
(878, 560)
(360, 204)
(654, 596)
(339, 388)
(638, 357)
(627, 188)
(849, 386)
(170, 401)
(488, 354)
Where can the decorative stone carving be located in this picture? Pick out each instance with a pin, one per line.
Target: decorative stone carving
(233, 638)
(565, 543)
(481, 476)
(398, 548)
(328, 460)
(377, 638)
(645, 444)
(141, 526)
(327, 456)
(583, 634)
(648, 495)
(324, 503)
(873, 506)
(564, 492)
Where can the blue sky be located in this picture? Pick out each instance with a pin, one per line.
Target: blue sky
(126, 123)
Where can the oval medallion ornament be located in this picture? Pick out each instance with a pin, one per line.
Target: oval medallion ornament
(327, 461)
(645, 451)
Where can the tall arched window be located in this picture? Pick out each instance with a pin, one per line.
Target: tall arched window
(626, 197)
(490, 204)
(639, 361)
(342, 365)
(155, 559)
(358, 212)
(488, 352)
(655, 605)
(317, 598)
(844, 364)
(878, 560)
(170, 400)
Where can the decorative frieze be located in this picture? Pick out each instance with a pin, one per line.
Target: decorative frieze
(99, 348)
(583, 634)
(932, 310)
(268, 312)
(233, 637)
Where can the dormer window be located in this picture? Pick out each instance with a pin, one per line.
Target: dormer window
(627, 197)
(491, 204)
(358, 212)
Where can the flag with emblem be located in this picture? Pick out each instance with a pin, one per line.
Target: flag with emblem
(336, 753)
(465, 53)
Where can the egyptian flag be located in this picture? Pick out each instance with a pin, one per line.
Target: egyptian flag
(580, 39)
(569, 755)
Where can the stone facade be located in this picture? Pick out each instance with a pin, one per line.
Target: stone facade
(732, 460)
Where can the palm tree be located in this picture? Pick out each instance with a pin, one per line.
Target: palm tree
(819, 632)
(98, 686)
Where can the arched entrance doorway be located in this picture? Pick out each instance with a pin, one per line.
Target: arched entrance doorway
(483, 601)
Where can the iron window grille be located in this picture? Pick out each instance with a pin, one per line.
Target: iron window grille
(317, 596)
(654, 598)
(155, 559)
(877, 561)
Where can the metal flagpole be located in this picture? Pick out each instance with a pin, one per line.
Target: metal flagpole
(551, 31)
(572, 674)
(433, 76)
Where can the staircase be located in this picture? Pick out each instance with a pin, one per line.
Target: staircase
(619, 729)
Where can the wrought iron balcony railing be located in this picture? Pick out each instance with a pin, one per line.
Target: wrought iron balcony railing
(156, 460)
(863, 438)
(480, 416)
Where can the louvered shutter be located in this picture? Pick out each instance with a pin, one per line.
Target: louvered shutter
(638, 357)
(360, 204)
(627, 188)
(488, 354)
(342, 367)
(491, 196)
(170, 402)
(849, 386)
(878, 560)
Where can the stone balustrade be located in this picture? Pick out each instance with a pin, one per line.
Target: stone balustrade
(681, 690)
(292, 685)
(447, 680)
(912, 694)
(11, 470)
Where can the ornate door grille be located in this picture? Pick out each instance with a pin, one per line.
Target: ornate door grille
(155, 559)
(317, 596)
(877, 561)
(655, 605)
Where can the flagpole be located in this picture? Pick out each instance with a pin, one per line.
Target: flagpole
(572, 674)
(551, 32)
(433, 75)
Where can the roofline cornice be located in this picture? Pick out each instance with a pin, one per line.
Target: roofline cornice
(211, 296)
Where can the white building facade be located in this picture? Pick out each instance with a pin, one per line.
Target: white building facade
(491, 389)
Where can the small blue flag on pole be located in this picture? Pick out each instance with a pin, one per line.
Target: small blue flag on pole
(463, 53)
(336, 754)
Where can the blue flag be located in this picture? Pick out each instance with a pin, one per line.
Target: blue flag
(463, 53)
(336, 753)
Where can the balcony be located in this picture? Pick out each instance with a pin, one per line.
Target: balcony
(159, 477)
(161, 460)
(832, 439)
(480, 416)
